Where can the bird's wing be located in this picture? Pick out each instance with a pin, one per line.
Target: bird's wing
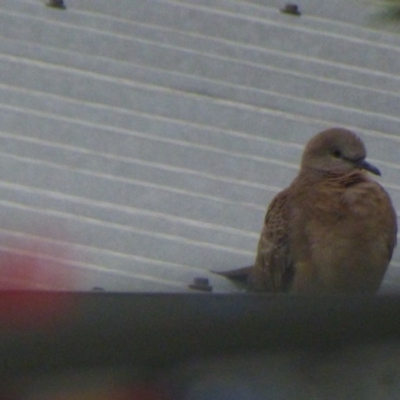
(273, 270)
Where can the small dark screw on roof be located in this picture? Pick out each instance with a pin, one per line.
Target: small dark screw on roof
(291, 8)
(56, 4)
(201, 284)
(97, 289)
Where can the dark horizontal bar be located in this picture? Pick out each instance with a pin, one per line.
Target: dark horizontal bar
(57, 331)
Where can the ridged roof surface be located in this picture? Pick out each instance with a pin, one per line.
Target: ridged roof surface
(141, 141)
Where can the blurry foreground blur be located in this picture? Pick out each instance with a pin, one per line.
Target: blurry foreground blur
(84, 346)
(358, 372)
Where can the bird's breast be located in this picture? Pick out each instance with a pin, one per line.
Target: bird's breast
(340, 240)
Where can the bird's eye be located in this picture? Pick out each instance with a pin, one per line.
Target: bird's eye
(337, 153)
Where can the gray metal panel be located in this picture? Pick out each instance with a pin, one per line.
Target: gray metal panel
(153, 134)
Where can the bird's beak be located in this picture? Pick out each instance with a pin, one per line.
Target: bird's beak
(369, 167)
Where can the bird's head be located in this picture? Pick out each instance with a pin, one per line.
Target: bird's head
(336, 150)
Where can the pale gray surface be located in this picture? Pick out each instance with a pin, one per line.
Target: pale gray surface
(151, 135)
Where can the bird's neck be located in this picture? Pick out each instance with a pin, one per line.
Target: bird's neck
(314, 176)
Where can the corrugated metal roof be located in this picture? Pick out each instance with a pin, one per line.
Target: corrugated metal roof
(151, 135)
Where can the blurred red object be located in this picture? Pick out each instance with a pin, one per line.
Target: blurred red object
(28, 268)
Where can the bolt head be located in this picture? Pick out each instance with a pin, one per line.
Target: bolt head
(291, 8)
(200, 283)
(56, 4)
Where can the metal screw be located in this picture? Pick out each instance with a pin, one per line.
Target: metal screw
(56, 4)
(201, 284)
(97, 289)
(291, 8)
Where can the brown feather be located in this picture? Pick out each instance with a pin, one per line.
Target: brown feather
(333, 230)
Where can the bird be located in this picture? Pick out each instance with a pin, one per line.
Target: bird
(332, 230)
